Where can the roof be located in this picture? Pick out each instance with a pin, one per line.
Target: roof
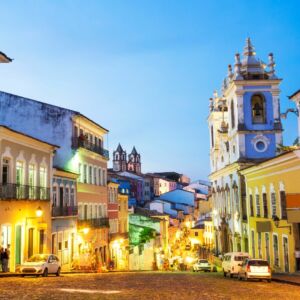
(27, 135)
(59, 107)
(4, 58)
(134, 152)
(294, 94)
(147, 212)
(119, 149)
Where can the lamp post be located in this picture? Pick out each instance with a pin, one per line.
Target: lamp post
(276, 222)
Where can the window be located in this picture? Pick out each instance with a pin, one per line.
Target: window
(19, 173)
(258, 109)
(67, 196)
(100, 176)
(31, 180)
(267, 242)
(283, 205)
(275, 249)
(257, 205)
(43, 182)
(54, 196)
(273, 204)
(212, 136)
(265, 204)
(232, 114)
(104, 177)
(5, 171)
(251, 206)
(85, 174)
(95, 175)
(80, 173)
(90, 175)
(72, 197)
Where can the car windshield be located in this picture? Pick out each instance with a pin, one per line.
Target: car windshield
(258, 263)
(240, 258)
(38, 258)
(203, 261)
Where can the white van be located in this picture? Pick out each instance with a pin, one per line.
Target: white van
(231, 262)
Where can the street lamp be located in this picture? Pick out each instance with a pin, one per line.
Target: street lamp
(276, 222)
(39, 212)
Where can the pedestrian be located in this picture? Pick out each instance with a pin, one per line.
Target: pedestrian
(1, 251)
(5, 258)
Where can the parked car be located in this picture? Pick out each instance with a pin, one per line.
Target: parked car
(255, 269)
(231, 262)
(41, 265)
(202, 265)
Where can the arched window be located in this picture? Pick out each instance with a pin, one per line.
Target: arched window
(232, 114)
(258, 109)
(117, 156)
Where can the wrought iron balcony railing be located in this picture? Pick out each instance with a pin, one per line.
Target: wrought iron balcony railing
(94, 223)
(23, 192)
(65, 211)
(78, 142)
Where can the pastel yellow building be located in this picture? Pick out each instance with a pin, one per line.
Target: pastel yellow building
(273, 202)
(25, 180)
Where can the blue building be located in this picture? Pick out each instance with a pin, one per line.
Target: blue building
(245, 128)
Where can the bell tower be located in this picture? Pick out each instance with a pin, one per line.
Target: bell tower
(134, 162)
(119, 159)
(252, 94)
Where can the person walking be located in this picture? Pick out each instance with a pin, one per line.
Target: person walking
(5, 258)
(1, 251)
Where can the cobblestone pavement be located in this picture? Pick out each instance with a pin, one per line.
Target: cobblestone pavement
(143, 285)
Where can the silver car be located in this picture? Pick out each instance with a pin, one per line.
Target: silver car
(255, 269)
(41, 265)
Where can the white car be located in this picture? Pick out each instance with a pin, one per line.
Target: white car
(202, 265)
(41, 265)
(231, 262)
(255, 269)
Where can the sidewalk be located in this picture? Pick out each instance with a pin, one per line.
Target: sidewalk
(293, 278)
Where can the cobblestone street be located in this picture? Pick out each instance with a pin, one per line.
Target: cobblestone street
(144, 285)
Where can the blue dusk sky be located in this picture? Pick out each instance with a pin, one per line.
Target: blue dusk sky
(145, 69)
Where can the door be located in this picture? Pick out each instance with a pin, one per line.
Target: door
(30, 242)
(267, 240)
(42, 240)
(18, 244)
(286, 254)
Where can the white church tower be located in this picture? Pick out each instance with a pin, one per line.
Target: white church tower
(245, 128)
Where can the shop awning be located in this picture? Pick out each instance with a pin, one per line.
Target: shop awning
(293, 208)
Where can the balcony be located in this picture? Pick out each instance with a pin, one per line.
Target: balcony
(13, 191)
(78, 142)
(65, 211)
(94, 223)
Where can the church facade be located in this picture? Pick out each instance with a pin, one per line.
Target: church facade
(245, 129)
(122, 164)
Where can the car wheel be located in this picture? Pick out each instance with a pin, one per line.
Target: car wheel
(58, 272)
(269, 280)
(45, 273)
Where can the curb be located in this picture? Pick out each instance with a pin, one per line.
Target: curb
(286, 281)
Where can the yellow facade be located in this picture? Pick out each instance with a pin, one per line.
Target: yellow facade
(270, 235)
(25, 214)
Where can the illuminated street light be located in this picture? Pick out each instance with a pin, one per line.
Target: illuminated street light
(85, 230)
(39, 212)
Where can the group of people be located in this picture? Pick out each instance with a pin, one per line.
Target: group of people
(4, 257)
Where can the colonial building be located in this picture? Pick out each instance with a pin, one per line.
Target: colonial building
(81, 151)
(25, 180)
(245, 128)
(64, 212)
(273, 206)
